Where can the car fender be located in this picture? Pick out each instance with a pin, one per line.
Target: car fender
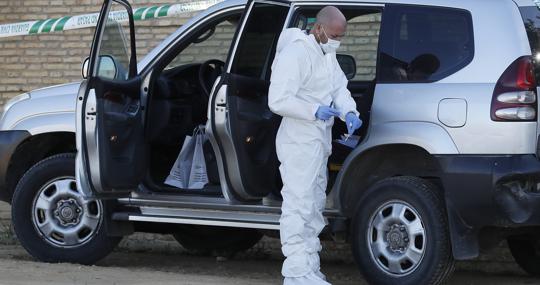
(47, 123)
(428, 136)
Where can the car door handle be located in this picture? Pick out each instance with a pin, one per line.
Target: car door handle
(119, 117)
(255, 117)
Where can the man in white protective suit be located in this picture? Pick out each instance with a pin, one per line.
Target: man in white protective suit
(308, 89)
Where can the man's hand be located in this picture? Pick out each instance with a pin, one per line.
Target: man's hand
(353, 122)
(325, 113)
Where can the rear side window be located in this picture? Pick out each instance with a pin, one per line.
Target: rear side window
(424, 44)
(531, 20)
(361, 39)
(256, 47)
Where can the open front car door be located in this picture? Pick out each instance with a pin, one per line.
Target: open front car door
(110, 143)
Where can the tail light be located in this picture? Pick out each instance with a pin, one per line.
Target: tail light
(514, 98)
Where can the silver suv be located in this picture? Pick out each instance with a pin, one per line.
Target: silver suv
(447, 164)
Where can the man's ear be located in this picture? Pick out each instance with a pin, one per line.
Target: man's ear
(317, 31)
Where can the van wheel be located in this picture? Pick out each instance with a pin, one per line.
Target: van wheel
(400, 233)
(220, 241)
(52, 220)
(526, 253)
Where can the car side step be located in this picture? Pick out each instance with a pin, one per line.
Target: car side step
(236, 219)
(194, 221)
(205, 204)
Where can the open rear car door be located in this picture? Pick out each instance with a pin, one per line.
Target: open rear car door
(110, 144)
(242, 124)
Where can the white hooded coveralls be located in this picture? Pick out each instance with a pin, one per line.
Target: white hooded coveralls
(304, 78)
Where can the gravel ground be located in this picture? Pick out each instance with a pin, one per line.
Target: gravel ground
(134, 267)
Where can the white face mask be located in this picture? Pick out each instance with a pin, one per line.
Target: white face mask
(331, 45)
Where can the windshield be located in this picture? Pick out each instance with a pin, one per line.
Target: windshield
(151, 33)
(187, 21)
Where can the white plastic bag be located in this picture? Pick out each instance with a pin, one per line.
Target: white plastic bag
(198, 176)
(189, 169)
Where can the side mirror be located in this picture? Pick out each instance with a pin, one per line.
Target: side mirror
(347, 64)
(85, 64)
(106, 69)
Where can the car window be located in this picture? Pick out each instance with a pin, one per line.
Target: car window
(212, 43)
(115, 46)
(361, 39)
(424, 44)
(531, 20)
(255, 49)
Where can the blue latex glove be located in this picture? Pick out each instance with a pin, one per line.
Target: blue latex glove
(325, 113)
(353, 122)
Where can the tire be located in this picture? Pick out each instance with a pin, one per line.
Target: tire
(526, 253)
(216, 240)
(398, 206)
(51, 219)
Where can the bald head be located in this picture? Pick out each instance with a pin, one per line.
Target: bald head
(331, 23)
(330, 16)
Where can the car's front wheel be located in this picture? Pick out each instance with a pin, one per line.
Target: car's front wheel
(53, 221)
(400, 233)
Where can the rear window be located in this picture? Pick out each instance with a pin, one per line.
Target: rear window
(424, 44)
(531, 19)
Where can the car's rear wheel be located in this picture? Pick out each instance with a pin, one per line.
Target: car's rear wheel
(53, 221)
(400, 233)
(216, 240)
(526, 253)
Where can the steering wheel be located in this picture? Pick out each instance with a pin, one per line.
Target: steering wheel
(208, 73)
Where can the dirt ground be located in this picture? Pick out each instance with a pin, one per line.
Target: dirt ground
(131, 267)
